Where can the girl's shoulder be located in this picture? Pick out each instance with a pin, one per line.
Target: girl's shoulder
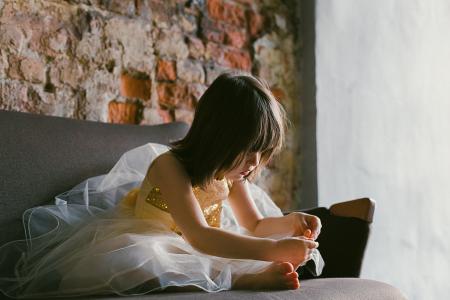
(166, 167)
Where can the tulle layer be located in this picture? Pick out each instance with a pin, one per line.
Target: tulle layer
(90, 242)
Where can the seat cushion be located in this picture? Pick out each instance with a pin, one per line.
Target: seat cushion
(326, 288)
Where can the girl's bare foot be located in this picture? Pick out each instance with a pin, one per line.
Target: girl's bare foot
(276, 276)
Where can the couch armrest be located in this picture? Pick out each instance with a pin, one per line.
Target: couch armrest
(362, 208)
(344, 236)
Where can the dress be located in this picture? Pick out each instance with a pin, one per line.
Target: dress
(113, 234)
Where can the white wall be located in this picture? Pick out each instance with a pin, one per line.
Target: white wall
(383, 131)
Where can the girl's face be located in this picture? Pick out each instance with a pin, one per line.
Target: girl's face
(247, 165)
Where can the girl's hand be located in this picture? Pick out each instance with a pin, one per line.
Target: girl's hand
(306, 225)
(295, 250)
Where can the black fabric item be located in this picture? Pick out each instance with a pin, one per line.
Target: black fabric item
(42, 156)
(342, 242)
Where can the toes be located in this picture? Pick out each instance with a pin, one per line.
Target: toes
(292, 275)
(285, 267)
(294, 284)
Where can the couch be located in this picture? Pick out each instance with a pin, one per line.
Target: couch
(42, 156)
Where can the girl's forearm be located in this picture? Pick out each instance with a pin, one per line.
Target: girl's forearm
(219, 242)
(274, 226)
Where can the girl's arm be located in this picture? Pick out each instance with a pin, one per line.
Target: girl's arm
(186, 212)
(248, 216)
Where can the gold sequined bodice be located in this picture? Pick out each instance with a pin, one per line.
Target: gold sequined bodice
(210, 201)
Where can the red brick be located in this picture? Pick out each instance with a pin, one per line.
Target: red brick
(235, 15)
(235, 37)
(255, 23)
(278, 93)
(237, 59)
(132, 87)
(213, 35)
(173, 95)
(122, 113)
(226, 12)
(152, 116)
(212, 30)
(166, 70)
(216, 9)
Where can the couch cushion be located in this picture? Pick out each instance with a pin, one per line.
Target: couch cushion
(317, 289)
(42, 156)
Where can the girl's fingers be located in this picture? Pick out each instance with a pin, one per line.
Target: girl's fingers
(311, 244)
(308, 233)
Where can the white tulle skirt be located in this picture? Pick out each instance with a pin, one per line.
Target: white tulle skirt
(89, 242)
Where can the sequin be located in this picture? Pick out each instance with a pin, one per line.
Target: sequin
(210, 201)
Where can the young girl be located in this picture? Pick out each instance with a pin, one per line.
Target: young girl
(185, 217)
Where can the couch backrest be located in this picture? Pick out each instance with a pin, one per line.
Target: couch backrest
(42, 156)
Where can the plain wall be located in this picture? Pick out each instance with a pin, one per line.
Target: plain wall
(383, 131)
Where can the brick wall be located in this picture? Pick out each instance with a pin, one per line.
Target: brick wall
(147, 62)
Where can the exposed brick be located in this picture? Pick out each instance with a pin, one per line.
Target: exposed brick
(237, 59)
(214, 51)
(188, 23)
(226, 12)
(171, 43)
(196, 47)
(14, 67)
(212, 71)
(123, 7)
(152, 116)
(13, 95)
(166, 70)
(190, 71)
(173, 95)
(235, 37)
(166, 115)
(235, 15)
(11, 36)
(212, 30)
(59, 41)
(184, 115)
(70, 72)
(213, 35)
(195, 91)
(278, 93)
(32, 70)
(160, 11)
(245, 2)
(255, 23)
(143, 9)
(122, 113)
(133, 87)
(193, 8)
(216, 9)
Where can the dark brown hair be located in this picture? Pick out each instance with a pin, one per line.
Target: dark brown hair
(235, 116)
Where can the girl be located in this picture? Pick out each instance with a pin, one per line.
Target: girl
(180, 218)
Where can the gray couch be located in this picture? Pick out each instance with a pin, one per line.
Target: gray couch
(42, 156)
